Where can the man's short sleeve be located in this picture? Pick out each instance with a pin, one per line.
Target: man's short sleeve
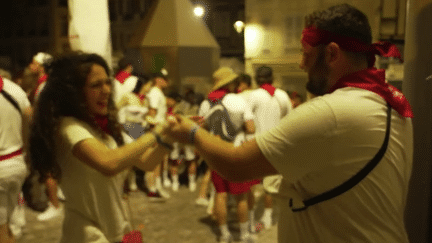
(248, 115)
(300, 140)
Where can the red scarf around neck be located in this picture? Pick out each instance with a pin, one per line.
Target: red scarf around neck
(102, 121)
(1, 83)
(122, 76)
(373, 79)
(269, 88)
(42, 79)
(217, 95)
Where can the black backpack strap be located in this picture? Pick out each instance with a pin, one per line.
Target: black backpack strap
(347, 185)
(11, 99)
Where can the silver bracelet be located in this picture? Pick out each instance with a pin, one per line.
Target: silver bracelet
(192, 133)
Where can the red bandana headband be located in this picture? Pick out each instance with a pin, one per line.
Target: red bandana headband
(313, 37)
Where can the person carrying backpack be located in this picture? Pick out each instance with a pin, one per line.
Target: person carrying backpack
(228, 114)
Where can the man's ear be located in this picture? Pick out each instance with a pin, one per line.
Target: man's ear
(333, 53)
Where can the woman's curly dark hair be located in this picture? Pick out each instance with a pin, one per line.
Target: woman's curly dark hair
(63, 96)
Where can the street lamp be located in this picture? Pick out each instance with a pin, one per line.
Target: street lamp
(199, 11)
(239, 26)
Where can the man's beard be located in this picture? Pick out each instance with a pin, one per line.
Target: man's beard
(318, 75)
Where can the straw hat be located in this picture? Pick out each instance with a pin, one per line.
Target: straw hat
(222, 77)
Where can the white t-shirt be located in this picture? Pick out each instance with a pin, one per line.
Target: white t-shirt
(131, 109)
(157, 101)
(268, 110)
(322, 144)
(10, 119)
(119, 89)
(94, 206)
(237, 108)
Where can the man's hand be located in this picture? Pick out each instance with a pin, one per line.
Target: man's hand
(180, 128)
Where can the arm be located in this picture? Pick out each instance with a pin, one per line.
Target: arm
(112, 161)
(249, 127)
(241, 163)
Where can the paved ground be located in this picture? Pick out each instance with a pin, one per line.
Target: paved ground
(178, 220)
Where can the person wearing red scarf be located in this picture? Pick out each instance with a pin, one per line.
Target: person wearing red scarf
(76, 137)
(240, 119)
(328, 140)
(269, 105)
(15, 113)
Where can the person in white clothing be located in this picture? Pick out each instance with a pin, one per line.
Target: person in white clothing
(125, 80)
(269, 105)
(157, 114)
(345, 156)
(228, 114)
(75, 136)
(15, 112)
(38, 66)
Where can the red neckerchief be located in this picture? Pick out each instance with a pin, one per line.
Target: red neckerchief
(141, 97)
(122, 76)
(42, 79)
(1, 83)
(373, 79)
(314, 37)
(170, 111)
(102, 121)
(269, 88)
(217, 95)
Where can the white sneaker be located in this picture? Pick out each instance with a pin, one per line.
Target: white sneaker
(163, 193)
(166, 183)
(192, 186)
(175, 186)
(249, 238)
(202, 202)
(60, 194)
(225, 239)
(50, 213)
(267, 222)
(133, 187)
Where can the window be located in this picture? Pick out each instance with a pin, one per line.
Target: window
(293, 28)
(64, 26)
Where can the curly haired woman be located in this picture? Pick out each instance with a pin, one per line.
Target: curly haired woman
(76, 138)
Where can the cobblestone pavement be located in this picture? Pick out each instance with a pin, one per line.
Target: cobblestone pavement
(177, 220)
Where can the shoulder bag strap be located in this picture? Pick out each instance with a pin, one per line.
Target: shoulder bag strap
(347, 185)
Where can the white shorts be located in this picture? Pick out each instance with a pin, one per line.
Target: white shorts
(188, 152)
(13, 172)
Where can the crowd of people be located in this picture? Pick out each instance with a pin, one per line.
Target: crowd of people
(93, 139)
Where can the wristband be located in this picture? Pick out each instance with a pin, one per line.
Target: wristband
(192, 133)
(161, 142)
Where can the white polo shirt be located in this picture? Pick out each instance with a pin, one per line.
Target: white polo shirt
(268, 110)
(323, 143)
(157, 101)
(238, 110)
(10, 118)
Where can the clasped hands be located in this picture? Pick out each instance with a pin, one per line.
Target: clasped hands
(177, 128)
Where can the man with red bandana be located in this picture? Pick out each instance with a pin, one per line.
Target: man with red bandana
(345, 156)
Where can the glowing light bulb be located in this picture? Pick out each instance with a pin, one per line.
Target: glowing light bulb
(199, 11)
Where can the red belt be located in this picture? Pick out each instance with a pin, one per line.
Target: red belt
(13, 154)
